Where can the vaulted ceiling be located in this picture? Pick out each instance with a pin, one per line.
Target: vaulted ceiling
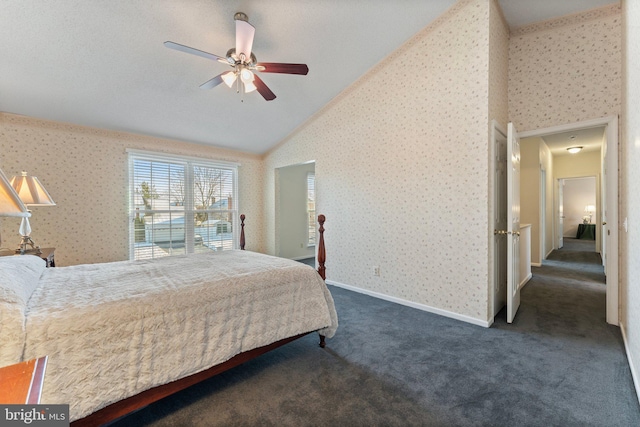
(103, 63)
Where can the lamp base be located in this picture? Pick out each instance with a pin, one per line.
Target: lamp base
(27, 241)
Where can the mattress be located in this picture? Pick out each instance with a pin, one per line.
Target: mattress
(113, 330)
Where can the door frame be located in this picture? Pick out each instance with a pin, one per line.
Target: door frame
(611, 132)
(279, 228)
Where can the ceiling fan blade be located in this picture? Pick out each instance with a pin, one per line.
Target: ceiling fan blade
(187, 49)
(276, 67)
(244, 38)
(263, 89)
(209, 84)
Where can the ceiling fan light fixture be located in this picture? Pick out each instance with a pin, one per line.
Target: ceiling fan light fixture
(574, 150)
(249, 87)
(246, 76)
(229, 78)
(243, 61)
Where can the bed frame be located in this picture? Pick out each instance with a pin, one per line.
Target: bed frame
(133, 403)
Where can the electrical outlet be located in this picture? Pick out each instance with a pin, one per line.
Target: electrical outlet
(376, 270)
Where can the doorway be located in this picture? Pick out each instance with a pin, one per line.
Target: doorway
(579, 200)
(607, 220)
(295, 205)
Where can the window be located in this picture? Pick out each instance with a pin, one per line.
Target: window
(311, 208)
(181, 205)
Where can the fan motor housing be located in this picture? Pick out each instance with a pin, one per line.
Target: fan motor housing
(233, 58)
(240, 16)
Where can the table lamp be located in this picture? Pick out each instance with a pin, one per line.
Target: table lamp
(32, 193)
(10, 203)
(590, 210)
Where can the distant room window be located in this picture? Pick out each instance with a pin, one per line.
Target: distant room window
(311, 208)
(180, 205)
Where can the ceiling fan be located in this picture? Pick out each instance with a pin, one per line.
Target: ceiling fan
(243, 62)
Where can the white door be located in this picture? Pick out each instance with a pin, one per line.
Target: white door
(543, 214)
(603, 206)
(513, 222)
(610, 220)
(500, 219)
(560, 213)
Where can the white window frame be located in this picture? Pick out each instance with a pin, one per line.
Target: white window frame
(189, 163)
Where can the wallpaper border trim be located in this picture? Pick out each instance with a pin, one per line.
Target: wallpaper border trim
(423, 307)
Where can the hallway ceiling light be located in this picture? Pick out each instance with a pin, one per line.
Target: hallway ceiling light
(574, 150)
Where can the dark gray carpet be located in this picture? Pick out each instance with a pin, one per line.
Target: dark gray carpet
(309, 261)
(559, 364)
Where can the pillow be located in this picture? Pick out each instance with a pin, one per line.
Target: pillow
(19, 277)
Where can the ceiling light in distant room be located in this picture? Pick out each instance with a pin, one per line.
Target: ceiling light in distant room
(574, 150)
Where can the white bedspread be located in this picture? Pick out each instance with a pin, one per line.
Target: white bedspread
(113, 330)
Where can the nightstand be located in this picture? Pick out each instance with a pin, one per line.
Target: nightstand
(22, 382)
(46, 255)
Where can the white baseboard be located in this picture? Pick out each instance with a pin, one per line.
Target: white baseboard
(525, 280)
(411, 304)
(536, 264)
(634, 373)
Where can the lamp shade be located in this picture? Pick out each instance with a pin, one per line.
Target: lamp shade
(10, 203)
(31, 191)
(229, 78)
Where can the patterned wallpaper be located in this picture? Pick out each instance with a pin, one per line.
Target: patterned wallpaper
(566, 70)
(401, 156)
(86, 172)
(402, 169)
(498, 111)
(498, 66)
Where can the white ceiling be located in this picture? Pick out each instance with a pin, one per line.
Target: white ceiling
(589, 139)
(103, 63)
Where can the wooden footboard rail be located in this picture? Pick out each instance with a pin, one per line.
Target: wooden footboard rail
(133, 403)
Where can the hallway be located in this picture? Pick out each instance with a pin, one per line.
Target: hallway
(564, 305)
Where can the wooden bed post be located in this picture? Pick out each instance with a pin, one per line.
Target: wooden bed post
(242, 217)
(322, 255)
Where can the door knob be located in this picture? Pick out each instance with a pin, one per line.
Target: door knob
(604, 223)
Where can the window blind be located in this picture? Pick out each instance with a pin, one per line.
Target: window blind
(311, 208)
(181, 205)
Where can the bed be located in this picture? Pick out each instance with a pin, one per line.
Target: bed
(122, 335)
